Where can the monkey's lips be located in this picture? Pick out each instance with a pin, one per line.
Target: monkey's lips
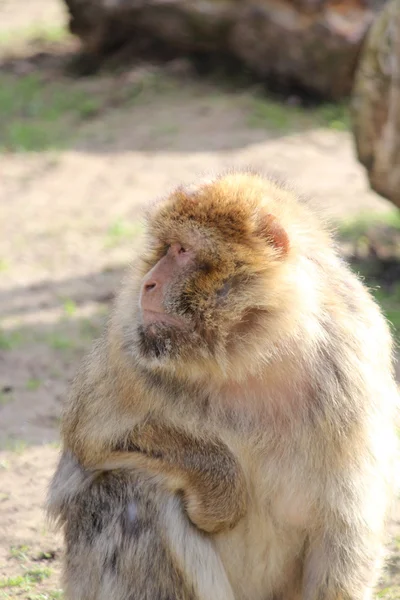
(152, 317)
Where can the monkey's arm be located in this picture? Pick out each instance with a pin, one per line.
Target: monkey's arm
(204, 470)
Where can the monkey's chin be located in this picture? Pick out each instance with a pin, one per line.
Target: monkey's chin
(160, 342)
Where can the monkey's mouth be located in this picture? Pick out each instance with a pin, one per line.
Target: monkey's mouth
(154, 318)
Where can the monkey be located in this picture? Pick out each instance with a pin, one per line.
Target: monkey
(247, 374)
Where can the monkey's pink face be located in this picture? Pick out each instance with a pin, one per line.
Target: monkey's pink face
(180, 315)
(154, 287)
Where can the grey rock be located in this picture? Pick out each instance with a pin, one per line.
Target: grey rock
(376, 104)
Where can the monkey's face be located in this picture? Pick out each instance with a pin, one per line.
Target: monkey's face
(211, 257)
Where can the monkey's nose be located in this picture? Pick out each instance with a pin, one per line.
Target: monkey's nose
(150, 286)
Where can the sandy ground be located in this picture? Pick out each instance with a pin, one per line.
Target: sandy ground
(69, 224)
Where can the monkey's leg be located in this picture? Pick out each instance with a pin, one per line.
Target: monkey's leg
(204, 470)
(127, 538)
(344, 556)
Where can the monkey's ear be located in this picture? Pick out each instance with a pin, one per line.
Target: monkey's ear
(270, 229)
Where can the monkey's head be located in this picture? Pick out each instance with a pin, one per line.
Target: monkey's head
(217, 276)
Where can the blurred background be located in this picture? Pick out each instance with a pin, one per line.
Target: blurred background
(106, 104)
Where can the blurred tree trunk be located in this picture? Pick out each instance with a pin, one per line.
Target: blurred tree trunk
(376, 104)
(309, 45)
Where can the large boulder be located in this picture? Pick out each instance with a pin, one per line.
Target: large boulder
(311, 44)
(376, 104)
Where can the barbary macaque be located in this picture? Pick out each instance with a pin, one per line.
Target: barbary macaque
(240, 406)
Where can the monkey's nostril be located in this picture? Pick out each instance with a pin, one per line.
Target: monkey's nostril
(149, 286)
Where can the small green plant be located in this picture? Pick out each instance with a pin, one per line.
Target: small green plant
(25, 582)
(334, 116)
(4, 266)
(19, 552)
(69, 307)
(46, 555)
(39, 574)
(8, 582)
(120, 231)
(33, 384)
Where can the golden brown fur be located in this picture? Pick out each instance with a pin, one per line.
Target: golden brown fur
(271, 408)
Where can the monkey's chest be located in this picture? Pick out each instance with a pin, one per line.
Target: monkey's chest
(289, 484)
(274, 406)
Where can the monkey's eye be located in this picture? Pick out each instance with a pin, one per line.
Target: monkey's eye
(224, 290)
(182, 250)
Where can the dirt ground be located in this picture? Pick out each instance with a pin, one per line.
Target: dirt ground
(69, 224)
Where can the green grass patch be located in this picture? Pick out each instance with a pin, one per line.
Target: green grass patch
(43, 113)
(373, 241)
(37, 115)
(390, 304)
(274, 115)
(8, 582)
(353, 229)
(389, 593)
(280, 116)
(10, 340)
(333, 116)
(15, 445)
(25, 581)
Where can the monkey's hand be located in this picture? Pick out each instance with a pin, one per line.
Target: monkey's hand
(204, 470)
